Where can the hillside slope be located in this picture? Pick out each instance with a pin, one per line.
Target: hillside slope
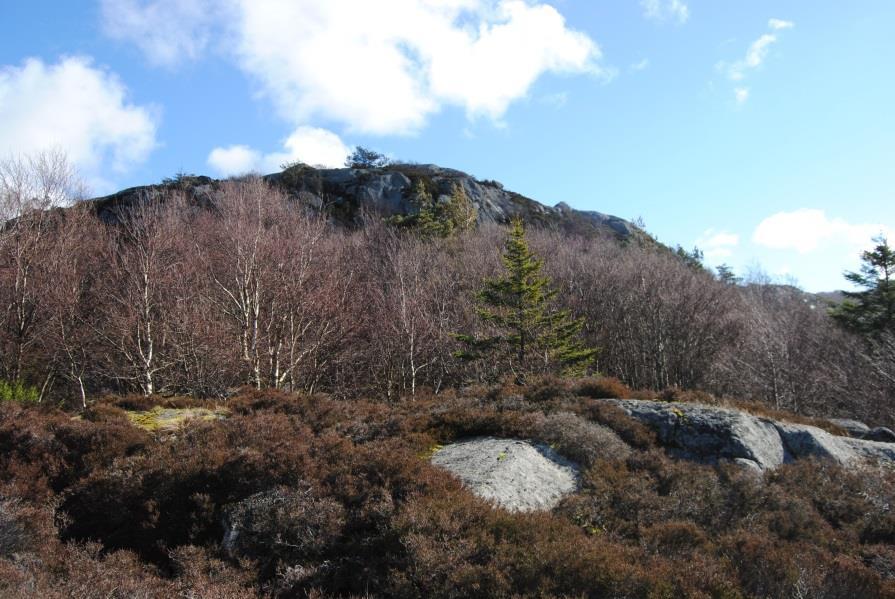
(346, 194)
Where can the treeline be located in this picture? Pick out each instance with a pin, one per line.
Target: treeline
(251, 289)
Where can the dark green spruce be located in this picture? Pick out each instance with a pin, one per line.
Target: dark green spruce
(530, 334)
(870, 311)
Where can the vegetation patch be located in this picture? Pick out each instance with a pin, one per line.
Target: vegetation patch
(167, 419)
(298, 495)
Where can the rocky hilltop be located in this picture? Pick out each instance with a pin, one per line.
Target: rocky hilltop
(347, 194)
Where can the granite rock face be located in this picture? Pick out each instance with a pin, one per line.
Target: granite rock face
(854, 428)
(348, 194)
(881, 434)
(710, 434)
(513, 474)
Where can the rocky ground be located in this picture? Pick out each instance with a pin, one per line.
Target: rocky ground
(709, 434)
(516, 475)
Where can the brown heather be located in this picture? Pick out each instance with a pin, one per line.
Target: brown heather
(96, 507)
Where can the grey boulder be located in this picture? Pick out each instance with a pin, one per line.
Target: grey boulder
(854, 428)
(710, 434)
(511, 473)
(881, 434)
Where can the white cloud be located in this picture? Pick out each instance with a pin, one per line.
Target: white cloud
(310, 145)
(376, 67)
(384, 68)
(755, 55)
(777, 24)
(717, 245)
(77, 108)
(807, 229)
(662, 10)
(234, 160)
(168, 32)
(639, 66)
(758, 51)
(754, 58)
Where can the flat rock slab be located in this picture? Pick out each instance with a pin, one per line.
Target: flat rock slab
(514, 474)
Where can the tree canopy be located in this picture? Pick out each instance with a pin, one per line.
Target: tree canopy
(363, 157)
(530, 334)
(871, 310)
(435, 218)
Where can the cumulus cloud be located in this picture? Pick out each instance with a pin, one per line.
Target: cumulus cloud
(807, 229)
(664, 10)
(385, 68)
(77, 108)
(168, 32)
(376, 67)
(311, 145)
(234, 160)
(754, 58)
(717, 245)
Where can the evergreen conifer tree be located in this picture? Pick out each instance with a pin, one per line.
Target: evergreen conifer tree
(871, 311)
(530, 334)
(433, 218)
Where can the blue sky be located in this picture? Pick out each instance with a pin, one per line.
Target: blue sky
(761, 131)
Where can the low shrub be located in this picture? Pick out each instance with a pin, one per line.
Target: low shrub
(633, 432)
(673, 537)
(582, 440)
(673, 394)
(603, 388)
(282, 527)
(330, 498)
(19, 392)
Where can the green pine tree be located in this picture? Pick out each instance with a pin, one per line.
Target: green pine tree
(870, 311)
(726, 275)
(433, 218)
(459, 211)
(530, 334)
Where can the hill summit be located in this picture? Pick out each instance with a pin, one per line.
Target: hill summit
(347, 194)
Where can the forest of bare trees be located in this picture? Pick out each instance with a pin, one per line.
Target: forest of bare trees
(253, 290)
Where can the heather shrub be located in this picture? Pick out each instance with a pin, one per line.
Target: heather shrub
(103, 412)
(282, 527)
(673, 537)
(688, 396)
(547, 388)
(307, 495)
(132, 402)
(604, 387)
(16, 535)
(45, 451)
(582, 440)
(633, 432)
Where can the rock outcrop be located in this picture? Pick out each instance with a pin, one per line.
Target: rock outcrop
(515, 475)
(881, 434)
(710, 434)
(854, 428)
(347, 194)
